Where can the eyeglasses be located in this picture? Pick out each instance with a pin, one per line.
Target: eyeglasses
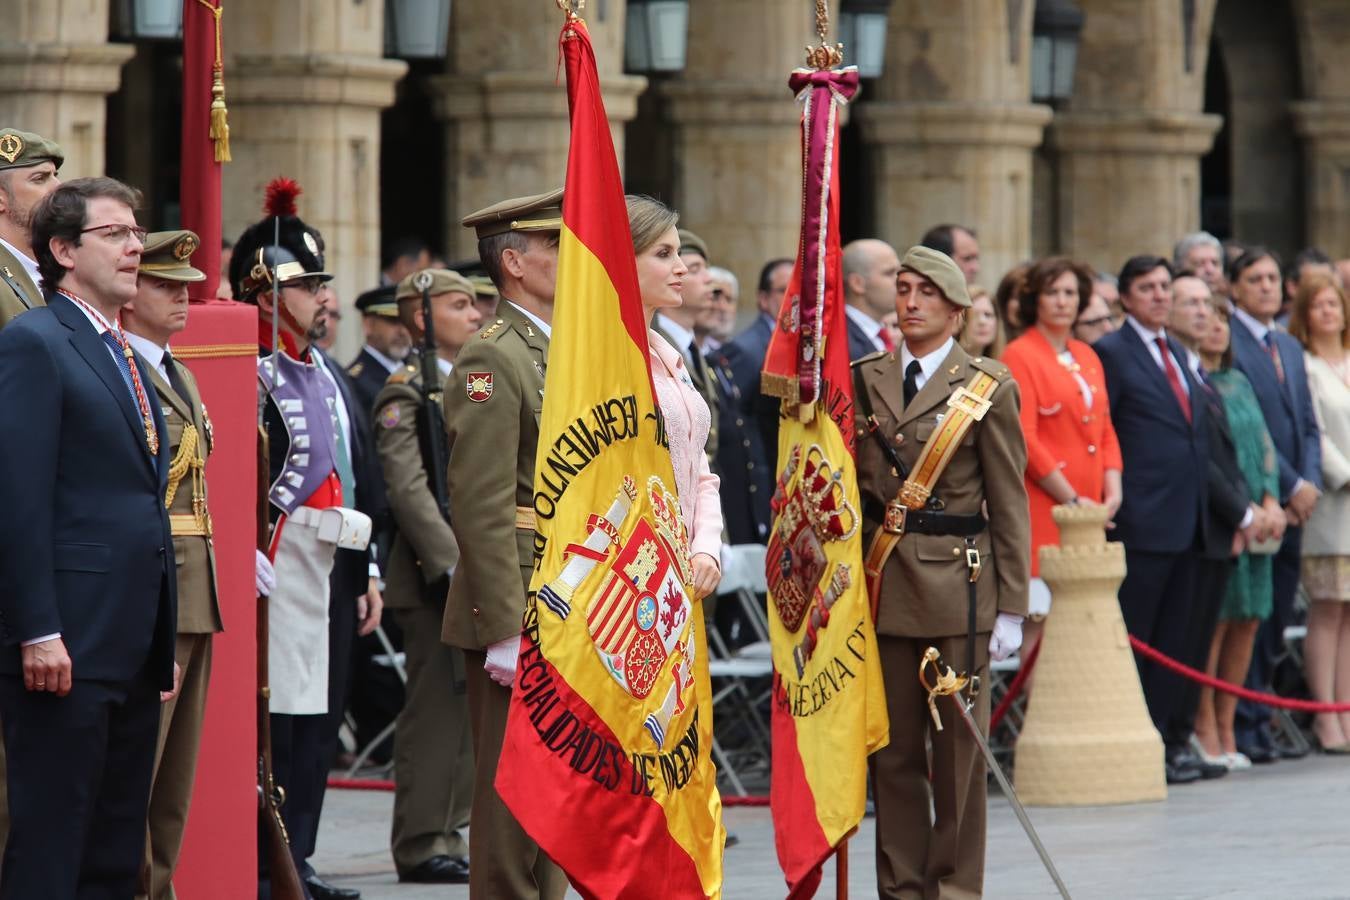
(310, 286)
(119, 233)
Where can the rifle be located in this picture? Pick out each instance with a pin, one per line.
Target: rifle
(431, 423)
(280, 866)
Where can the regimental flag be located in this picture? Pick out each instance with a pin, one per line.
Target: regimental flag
(829, 709)
(606, 760)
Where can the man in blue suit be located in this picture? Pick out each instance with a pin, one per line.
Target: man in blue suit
(1163, 439)
(87, 593)
(870, 270)
(1273, 363)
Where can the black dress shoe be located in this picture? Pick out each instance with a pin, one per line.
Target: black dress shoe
(1180, 774)
(1259, 755)
(1191, 760)
(438, 870)
(322, 890)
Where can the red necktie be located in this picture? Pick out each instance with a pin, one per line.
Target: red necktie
(885, 337)
(1274, 356)
(1174, 379)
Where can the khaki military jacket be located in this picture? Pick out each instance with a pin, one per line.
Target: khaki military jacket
(198, 605)
(492, 405)
(27, 296)
(924, 591)
(424, 546)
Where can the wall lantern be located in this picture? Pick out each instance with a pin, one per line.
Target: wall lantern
(1054, 50)
(160, 20)
(416, 29)
(656, 35)
(862, 31)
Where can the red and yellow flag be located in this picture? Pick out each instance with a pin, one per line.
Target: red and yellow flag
(829, 708)
(606, 761)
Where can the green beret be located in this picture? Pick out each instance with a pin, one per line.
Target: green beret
(168, 255)
(437, 282)
(692, 243)
(483, 286)
(539, 212)
(940, 269)
(22, 149)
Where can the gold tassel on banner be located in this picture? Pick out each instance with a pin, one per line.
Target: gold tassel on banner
(220, 125)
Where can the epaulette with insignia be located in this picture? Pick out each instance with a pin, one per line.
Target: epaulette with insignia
(991, 367)
(402, 376)
(871, 357)
(491, 329)
(355, 369)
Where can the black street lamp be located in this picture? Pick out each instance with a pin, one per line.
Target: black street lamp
(1054, 50)
(862, 31)
(656, 37)
(416, 29)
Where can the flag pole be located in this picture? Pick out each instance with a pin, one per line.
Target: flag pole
(841, 870)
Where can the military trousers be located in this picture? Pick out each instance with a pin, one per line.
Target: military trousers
(923, 856)
(433, 745)
(180, 737)
(504, 862)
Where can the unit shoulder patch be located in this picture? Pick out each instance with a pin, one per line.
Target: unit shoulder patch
(478, 386)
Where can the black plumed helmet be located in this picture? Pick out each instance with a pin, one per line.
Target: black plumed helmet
(299, 254)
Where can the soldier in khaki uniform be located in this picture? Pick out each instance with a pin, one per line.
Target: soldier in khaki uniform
(492, 406)
(969, 521)
(433, 751)
(160, 311)
(28, 165)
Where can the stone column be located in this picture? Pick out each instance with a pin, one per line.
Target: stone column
(1128, 181)
(951, 127)
(1323, 122)
(305, 85)
(735, 132)
(1127, 147)
(56, 72)
(504, 102)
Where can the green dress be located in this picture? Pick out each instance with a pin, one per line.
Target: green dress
(1250, 592)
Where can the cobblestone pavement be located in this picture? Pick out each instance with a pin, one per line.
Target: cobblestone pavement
(1281, 831)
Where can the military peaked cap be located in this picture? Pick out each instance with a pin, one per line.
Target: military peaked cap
(168, 255)
(540, 212)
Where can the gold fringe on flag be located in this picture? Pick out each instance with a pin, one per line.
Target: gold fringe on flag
(220, 125)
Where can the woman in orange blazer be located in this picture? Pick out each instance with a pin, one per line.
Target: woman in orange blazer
(1072, 452)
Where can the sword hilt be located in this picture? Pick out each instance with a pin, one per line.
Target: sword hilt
(945, 681)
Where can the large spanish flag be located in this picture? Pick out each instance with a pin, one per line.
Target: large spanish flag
(829, 709)
(606, 760)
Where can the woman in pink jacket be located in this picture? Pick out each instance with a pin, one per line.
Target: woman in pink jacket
(656, 242)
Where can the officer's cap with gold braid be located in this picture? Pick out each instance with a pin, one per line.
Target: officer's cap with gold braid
(168, 255)
(540, 212)
(378, 302)
(23, 149)
(940, 269)
(443, 281)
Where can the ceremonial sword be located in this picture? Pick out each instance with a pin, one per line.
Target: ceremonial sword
(947, 682)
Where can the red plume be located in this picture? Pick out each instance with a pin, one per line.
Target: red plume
(280, 197)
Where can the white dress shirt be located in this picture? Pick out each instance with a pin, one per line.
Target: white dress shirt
(927, 364)
(1150, 339)
(152, 353)
(29, 264)
(389, 365)
(870, 326)
(543, 326)
(680, 336)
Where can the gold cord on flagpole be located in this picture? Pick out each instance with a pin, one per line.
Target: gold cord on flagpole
(824, 56)
(220, 126)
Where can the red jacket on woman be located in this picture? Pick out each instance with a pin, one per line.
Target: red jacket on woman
(1062, 432)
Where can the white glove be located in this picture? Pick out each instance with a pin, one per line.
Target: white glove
(1007, 636)
(501, 660)
(264, 578)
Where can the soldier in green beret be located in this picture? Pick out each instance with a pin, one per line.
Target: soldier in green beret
(159, 312)
(433, 750)
(941, 457)
(28, 166)
(492, 406)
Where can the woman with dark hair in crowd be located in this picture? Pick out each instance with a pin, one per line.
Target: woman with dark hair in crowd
(1007, 298)
(1249, 597)
(982, 331)
(1319, 322)
(1072, 452)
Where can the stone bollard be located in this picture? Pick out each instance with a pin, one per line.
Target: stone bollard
(1088, 738)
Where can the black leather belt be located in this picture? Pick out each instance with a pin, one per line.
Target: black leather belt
(922, 521)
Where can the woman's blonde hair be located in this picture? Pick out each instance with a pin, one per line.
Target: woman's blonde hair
(1308, 289)
(995, 349)
(648, 219)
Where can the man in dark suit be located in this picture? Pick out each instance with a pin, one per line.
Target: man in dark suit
(1163, 429)
(87, 603)
(1273, 363)
(745, 353)
(387, 345)
(870, 268)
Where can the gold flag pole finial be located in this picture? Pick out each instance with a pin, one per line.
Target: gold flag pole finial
(824, 56)
(572, 8)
